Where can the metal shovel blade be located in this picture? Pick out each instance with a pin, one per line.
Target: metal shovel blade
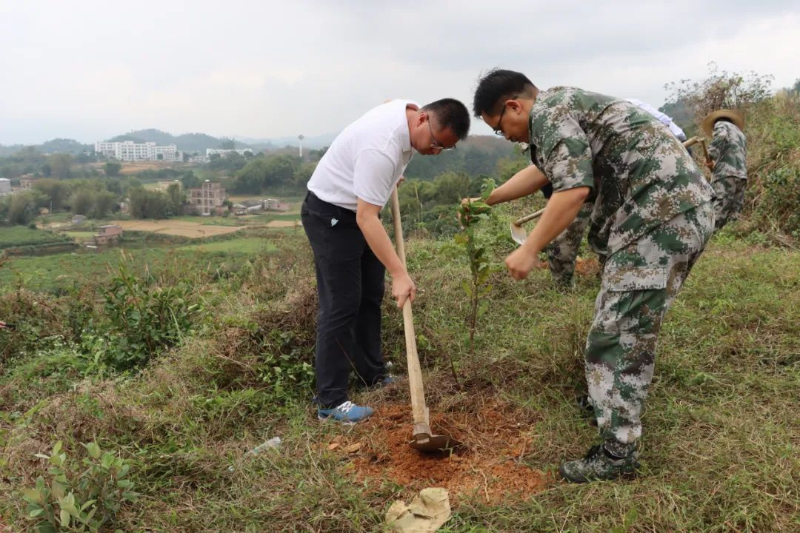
(518, 233)
(433, 443)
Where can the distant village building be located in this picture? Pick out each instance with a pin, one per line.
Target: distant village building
(271, 204)
(247, 207)
(5, 186)
(26, 183)
(207, 199)
(131, 151)
(222, 152)
(107, 234)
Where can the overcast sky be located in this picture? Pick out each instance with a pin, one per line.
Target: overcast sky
(89, 70)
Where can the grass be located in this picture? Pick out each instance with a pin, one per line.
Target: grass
(251, 246)
(61, 271)
(14, 236)
(721, 427)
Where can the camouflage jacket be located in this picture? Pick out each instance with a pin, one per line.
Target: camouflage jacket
(728, 149)
(639, 173)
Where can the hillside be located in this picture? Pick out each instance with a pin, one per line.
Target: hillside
(147, 382)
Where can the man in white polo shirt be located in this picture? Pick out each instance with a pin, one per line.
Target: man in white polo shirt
(351, 184)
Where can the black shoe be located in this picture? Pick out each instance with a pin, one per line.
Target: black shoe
(599, 465)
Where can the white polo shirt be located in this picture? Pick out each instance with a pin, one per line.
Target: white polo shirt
(662, 117)
(366, 160)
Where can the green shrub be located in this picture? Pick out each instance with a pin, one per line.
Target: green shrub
(773, 164)
(142, 318)
(81, 497)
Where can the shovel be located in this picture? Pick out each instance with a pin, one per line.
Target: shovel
(423, 438)
(517, 232)
(695, 140)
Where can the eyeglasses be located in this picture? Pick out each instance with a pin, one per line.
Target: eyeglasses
(435, 144)
(499, 129)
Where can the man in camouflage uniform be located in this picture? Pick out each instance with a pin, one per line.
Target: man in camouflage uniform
(728, 151)
(651, 218)
(563, 251)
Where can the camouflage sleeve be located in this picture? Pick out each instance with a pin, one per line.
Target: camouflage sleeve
(717, 143)
(569, 163)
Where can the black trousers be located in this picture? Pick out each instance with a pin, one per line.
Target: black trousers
(350, 285)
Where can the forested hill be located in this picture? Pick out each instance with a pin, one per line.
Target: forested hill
(475, 156)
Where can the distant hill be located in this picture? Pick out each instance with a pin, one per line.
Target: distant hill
(64, 146)
(188, 142)
(680, 113)
(312, 143)
(477, 155)
(198, 142)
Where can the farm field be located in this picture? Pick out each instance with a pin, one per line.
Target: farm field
(249, 245)
(60, 271)
(13, 236)
(181, 228)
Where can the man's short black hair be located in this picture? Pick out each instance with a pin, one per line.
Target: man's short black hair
(499, 84)
(452, 114)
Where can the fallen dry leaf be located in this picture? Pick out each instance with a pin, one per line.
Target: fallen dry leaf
(332, 446)
(353, 448)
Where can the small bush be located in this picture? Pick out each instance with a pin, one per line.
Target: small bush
(142, 318)
(79, 498)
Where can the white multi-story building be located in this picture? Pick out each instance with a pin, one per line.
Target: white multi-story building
(5, 186)
(222, 152)
(131, 151)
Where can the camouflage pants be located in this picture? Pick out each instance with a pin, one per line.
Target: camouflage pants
(563, 250)
(639, 284)
(729, 199)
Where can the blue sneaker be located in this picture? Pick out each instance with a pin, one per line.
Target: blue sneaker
(346, 413)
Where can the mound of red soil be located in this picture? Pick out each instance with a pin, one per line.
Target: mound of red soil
(489, 466)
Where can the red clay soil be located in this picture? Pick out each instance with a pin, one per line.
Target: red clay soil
(583, 267)
(587, 267)
(488, 467)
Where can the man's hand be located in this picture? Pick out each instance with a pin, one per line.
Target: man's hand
(403, 288)
(521, 262)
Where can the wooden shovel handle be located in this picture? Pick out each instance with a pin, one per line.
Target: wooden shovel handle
(702, 141)
(418, 408)
(520, 221)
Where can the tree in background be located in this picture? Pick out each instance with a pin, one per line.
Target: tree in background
(57, 193)
(21, 208)
(189, 180)
(451, 187)
(112, 168)
(176, 197)
(720, 90)
(303, 173)
(60, 165)
(103, 204)
(150, 204)
(82, 201)
(227, 144)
